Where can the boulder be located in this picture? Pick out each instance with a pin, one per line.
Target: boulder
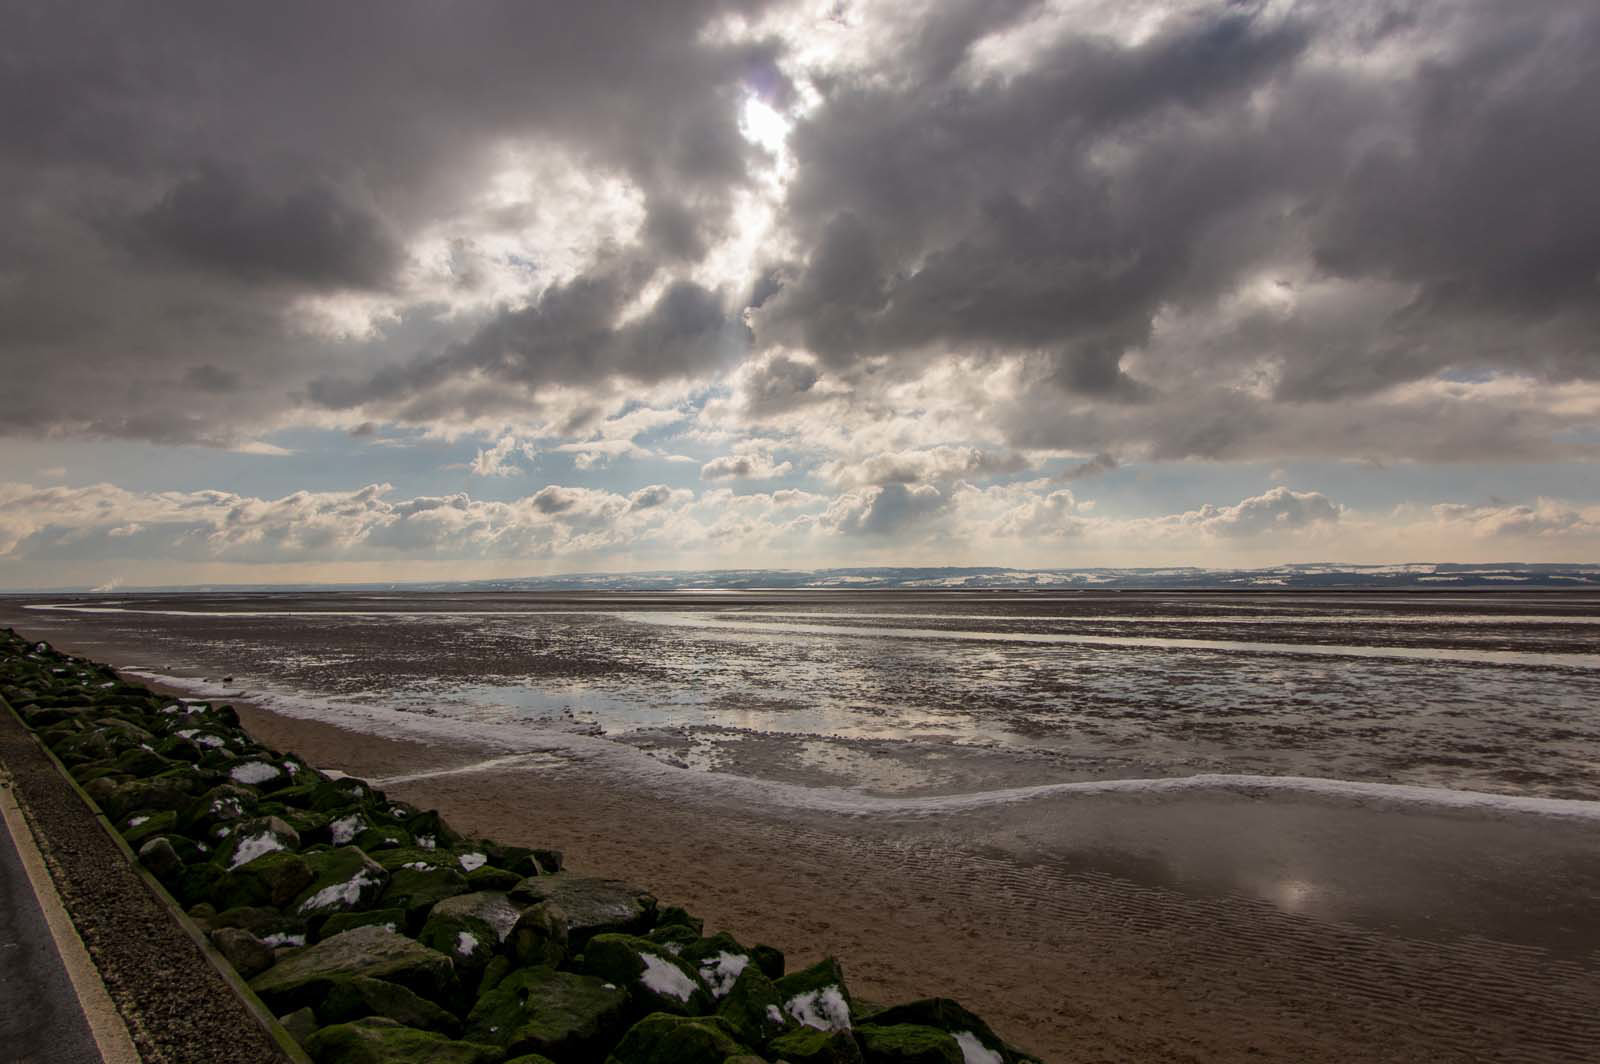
(493, 908)
(259, 772)
(360, 995)
(960, 1023)
(417, 890)
(490, 878)
(566, 1017)
(769, 959)
(540, 935)
(161, 793)
(384, 837)
(817, 997)
(142, 761)
(272, 880)
(590, 906)
(908, 1043)
(343, 795)
(255, 838)
(301, 1024)
(663, 1039)
(273, 928)
(678, 916)
(431, 832)
(656, 980)
(753, 1009)
(303, 978)
(393, 919)
(376, 1040)
(394, 860)
(468, 941)
(247, 953)
(807, 1045)
(719, 960)
(222, 804)
(343, 880)
(159, 856)
(146, 824)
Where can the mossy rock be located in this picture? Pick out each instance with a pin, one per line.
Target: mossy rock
(908, 1043)
(534, 1058)
(753, 1009)
(222, 804)
(665, 1039)
(304, 976)
(817, 996)
(769, 959)
(248, 954)
(678, 916)
(41, 717)
(360, 995)
(655, 979)
(376, 1040)
(674, 936)
(161, 858)
(345, 825)
(952, 1018)
(269, 925)
(255, 838)
(393, 919)
(274, 880)
(178, 748)
(332, 796)
(589, 906)
(417, 890)
(431, 831)
(312, 827)
(807, 1045)
(490, 878)
(561, 1015)
(394, 860)
(301, 1024)
(146, 824)
(466, 940)
(159, 794)
(540, 935)
(718, 960)
(142, 762)
(385, 837)
(344, 880)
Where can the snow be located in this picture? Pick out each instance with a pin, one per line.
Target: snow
(255, 846)
(825, 1009)
(666, 978)
(346, 828)
(774, 1015)
(974, 1051)
(341, 895)
(470, 861)
(283, 938)
(466, 943)
(427, 842)
(136, 821)
(254, 772)
(722, 971)
(417, 866)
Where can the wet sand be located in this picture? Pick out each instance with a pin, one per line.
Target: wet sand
(1196, 926)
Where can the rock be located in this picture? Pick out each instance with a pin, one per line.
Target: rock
(301, 1024)
(949, 1016)
(273, 880)
(656, 980)
(417, 890)
(343, 795)
(718, 960)
(496, 970)
(590, 906)
(807, 1045)
(393, 919)
(137, 827)
(431, 832)
(466, 940)
(491, 878)
(566, 1017)
(540, 936)
(344, 880)
(159, 856)
(378, 1041)
(908, 1043)
(258, 772)
(312, 827)
(360, 995)
(753, 1009)
(302, 978)
(769, 959)
(664, 1039)
(386, 837)
(273, 928)
(255, 838)
(535, 1058)
(674, 936)
(817, 997)
(223, 804)
(140, 761)
(549, 860)
(161, 793)
(678, 916)
(178, 748)
(397, 859)
(247, 953)
(492, 907)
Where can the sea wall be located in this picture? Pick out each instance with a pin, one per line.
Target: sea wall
(376, 933)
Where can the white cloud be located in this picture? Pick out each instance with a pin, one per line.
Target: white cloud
(751, 464)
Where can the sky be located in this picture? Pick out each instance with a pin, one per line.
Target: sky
(394, 291)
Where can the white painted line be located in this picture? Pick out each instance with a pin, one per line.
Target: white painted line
(105, 1023)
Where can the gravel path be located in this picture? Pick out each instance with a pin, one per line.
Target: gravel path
(176, 1006)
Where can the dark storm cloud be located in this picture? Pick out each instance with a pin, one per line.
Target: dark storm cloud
(175, 179)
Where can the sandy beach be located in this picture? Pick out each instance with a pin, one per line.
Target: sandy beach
(1206, 924)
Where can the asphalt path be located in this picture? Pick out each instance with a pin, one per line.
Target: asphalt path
(41, 1021)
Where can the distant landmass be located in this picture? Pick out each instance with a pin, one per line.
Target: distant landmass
(1307, 576)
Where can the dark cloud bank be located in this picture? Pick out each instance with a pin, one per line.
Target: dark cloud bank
(1414, 177)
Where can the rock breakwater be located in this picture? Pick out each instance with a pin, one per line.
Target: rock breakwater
(376, 933)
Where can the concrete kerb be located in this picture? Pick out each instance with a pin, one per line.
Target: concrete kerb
(258, 1009)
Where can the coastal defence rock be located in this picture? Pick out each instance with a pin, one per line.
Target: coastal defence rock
(381, 935)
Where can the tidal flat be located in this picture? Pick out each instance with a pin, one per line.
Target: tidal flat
(1120, 825)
